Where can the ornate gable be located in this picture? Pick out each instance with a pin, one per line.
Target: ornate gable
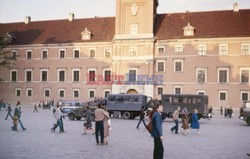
(188, 30)
(86, 35)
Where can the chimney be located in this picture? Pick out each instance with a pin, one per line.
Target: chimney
(27, 20)
(71, 17)
(236, 7)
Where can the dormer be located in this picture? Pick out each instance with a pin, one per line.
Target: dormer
(86, 35)
(188, 30)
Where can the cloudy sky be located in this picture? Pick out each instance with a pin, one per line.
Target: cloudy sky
(16, 10)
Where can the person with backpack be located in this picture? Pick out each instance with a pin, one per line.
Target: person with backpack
(157, 133)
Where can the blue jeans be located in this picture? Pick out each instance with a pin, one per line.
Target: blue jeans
(99, 128)
(9, 114)
(141, 120)
(21, 124)
(175, 127)
(58, 124)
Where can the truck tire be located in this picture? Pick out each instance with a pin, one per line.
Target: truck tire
(71, 116)
(78, 118)
(248, 121)
(126, 115)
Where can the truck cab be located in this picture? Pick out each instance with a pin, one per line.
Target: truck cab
(245, 112)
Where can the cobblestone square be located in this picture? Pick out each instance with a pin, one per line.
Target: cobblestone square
(221, 138)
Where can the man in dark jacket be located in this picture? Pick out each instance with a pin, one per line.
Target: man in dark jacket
(9, 112)
(142, 116)
(157, 133)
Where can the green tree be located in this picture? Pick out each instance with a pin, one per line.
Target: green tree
(6, 58)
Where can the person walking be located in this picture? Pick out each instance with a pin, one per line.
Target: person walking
(107, 125)
(175, 118)
(185, 119)
(195, 121)
(15, 119)
(35, 109)
(61, 118)
(18, 105)
(87, 125)
(9, 112)
(157, 133)
(221, 110)
(99, 128)
(57, 114)
(142, 116)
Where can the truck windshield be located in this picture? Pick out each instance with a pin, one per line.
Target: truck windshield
(248, 105)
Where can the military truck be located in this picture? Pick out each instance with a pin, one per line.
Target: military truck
(127, 106)
(80, 112)
(170, 103)
(245, 112)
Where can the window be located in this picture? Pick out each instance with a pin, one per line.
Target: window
(132, 51)
(223, 75)
(201, 50)
(44, 75)
(62, 53)
(160, 66)
(91, 75)
(28, 75)
(159, 90)
(61, 75)
(223, 95)
(245, 49)
(107, 52)
(201, 92)
(18, 92)
(77, 53)
(76, 75)
(178, 48)
(178, 65)
(76, 93)
(132, 76)
(177, 89)
(45, 54)
(61, 93)
(29, 92)
(47, 93)
(106, 92)
(92, 52)
(244, 95)
(133, 29)
(223, 49)
(29, 54)
(107, 75)
(244, 75)
(91, 93)
(161, 49)
(13, 75)
(201, 75)
(14, 54)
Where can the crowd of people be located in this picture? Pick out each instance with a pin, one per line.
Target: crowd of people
(103, 125)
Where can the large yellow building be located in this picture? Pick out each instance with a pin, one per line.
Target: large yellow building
(137, 51)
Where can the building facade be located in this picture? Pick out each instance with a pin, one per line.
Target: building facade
(137, 51)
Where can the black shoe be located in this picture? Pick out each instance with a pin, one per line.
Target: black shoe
(248, 154)
(24, 129)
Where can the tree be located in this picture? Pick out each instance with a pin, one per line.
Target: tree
(6, 59)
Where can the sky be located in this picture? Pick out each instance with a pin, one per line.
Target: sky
(39, 10)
